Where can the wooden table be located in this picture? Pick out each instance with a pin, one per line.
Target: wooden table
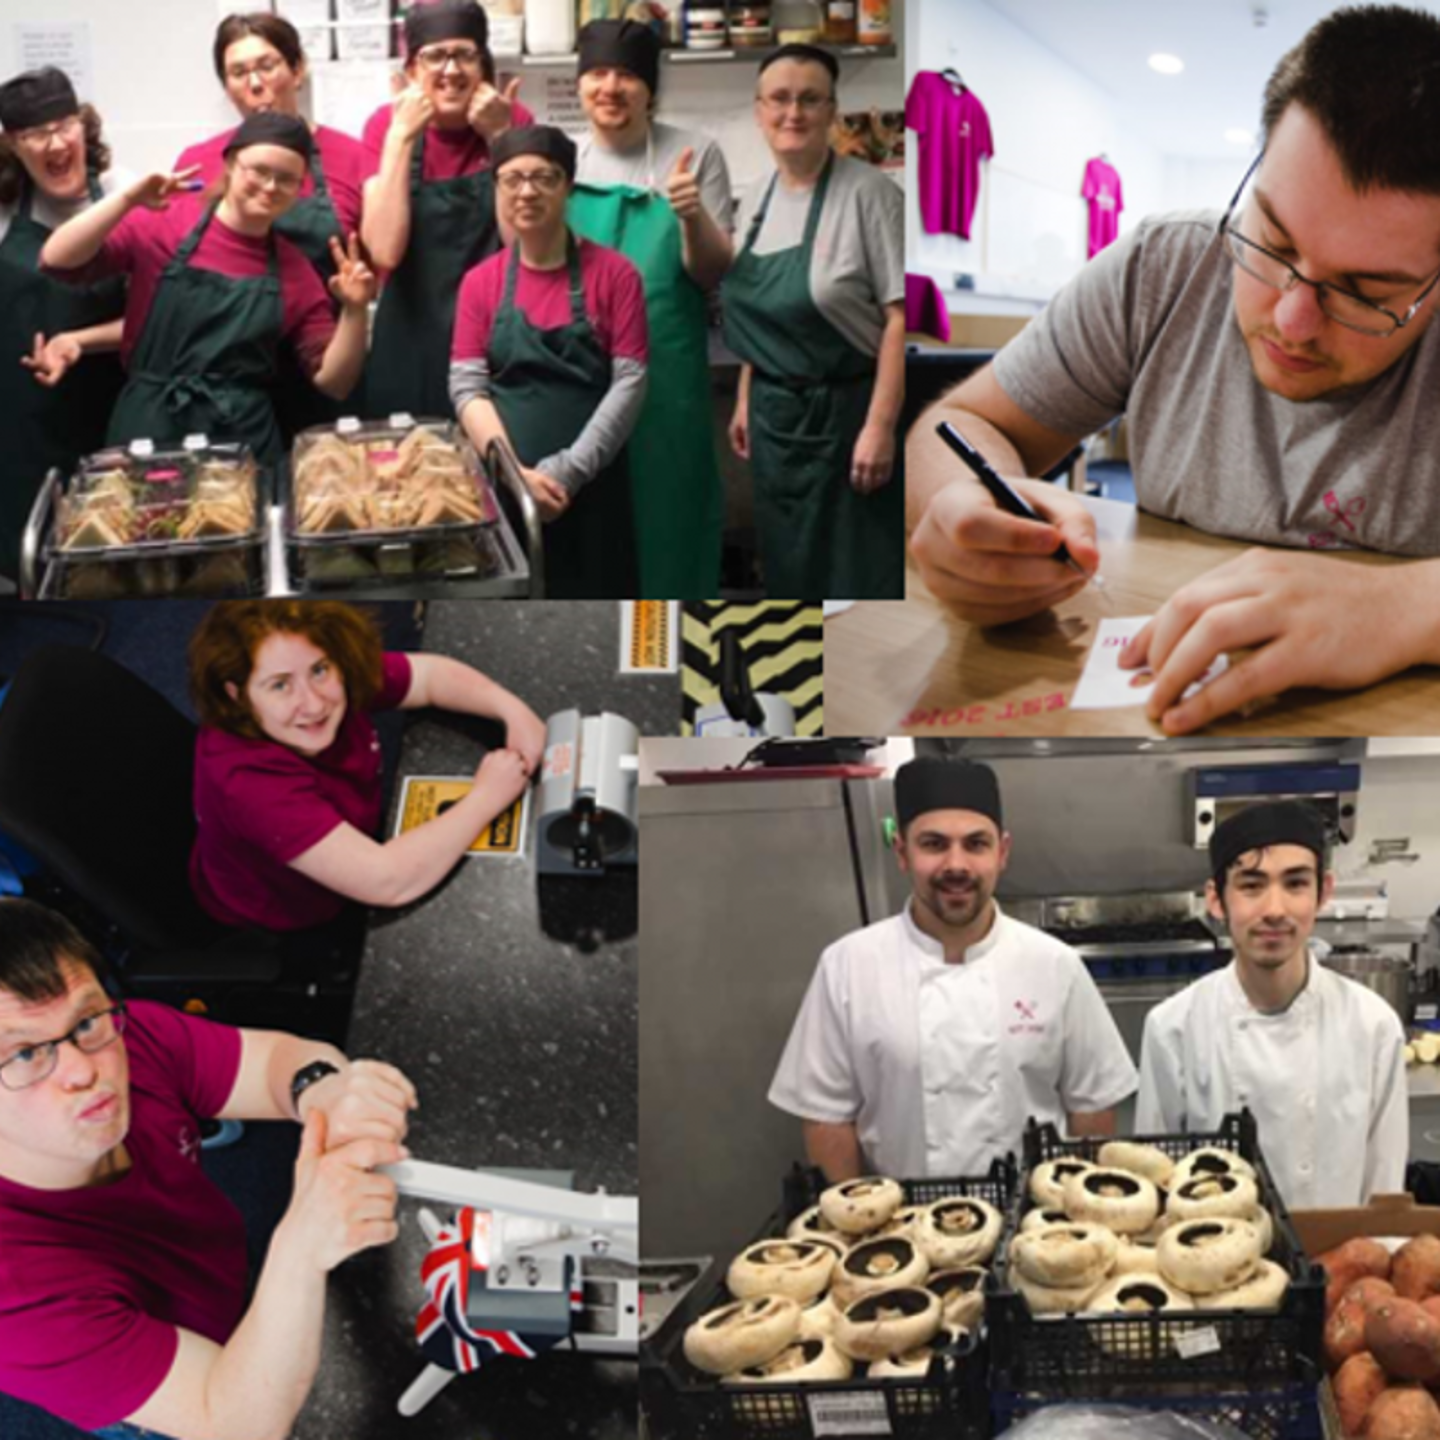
(910, 667)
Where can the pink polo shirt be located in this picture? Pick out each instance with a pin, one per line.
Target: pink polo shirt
(449, 154)
(259, 805)
(95, 1283)
(1101, 189)
(954, 135)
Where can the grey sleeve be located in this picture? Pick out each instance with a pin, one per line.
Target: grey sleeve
(715, 193)
(606, 431)
(469, 380)
(882, 218)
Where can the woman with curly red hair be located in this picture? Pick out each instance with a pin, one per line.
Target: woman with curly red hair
(288, 770)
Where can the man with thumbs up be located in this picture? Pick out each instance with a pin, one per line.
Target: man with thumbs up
(661, 196)
(123, 1289)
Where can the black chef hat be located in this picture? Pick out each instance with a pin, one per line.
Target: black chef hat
(270, 127)
(543, 140)
(933, 783)
(625, 44)
(36, 98)
(804, 52)
(445, 20)
(1281, 822)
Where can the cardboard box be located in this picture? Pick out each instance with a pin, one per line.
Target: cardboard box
(1386, 1216)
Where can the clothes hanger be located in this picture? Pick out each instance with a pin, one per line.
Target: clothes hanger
(953, 75)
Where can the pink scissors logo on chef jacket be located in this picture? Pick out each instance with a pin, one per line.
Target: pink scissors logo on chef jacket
(1029, 1022)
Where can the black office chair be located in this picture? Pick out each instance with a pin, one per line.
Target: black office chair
(96, 781)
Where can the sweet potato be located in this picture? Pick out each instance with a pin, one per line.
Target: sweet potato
(1403, 1412)
(1415, 1273)
(1359, 1381)
(1353, 1261)
(1405, 1340)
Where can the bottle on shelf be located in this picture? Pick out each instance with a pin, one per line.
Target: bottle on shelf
(798, 22)
(874, 24)
(841, 24)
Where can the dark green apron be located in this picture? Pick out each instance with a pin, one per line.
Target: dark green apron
(452, 227)
(207, 357)
(46, 426)
(309, 225)
(809, 394)
(546, 384)
(674, 473)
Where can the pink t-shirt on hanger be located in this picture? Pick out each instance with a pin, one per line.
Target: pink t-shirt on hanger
(954, 135)
(1102, 191)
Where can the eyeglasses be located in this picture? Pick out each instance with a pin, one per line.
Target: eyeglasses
(285, 181)
(1344, 307)
(39, 136)
(547, 182)
(33, 1063)
(435, 59)
(263, 68)
(782, 100)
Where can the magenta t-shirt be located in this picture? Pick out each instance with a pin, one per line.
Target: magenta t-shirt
(95, 1283)
(1102, 190)
(449, 154)
(145, 241)
(342, 156)
(259, 805)
(614, 302)
(925, 309)
(954, 135)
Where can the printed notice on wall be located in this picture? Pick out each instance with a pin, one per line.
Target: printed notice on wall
(63, 44)
(560, 104)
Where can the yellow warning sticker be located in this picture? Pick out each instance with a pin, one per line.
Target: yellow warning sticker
(649, 637)
(427, 797)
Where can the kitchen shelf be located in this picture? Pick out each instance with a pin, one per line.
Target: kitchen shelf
(741, 55)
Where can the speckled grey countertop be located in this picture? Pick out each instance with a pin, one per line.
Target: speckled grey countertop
(522, 1045)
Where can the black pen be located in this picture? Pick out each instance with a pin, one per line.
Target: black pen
(1001, 493)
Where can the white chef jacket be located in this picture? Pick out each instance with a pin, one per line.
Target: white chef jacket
(1325, 1081)
(939, 1065)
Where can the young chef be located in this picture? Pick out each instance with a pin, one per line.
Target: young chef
(550, 358)
(287, 764)
(815, 307)
(926, 1041)
(123, 1296)
(430, 203)
(214, 291)
(1318, 1059)
(53, 164)
(661, 196)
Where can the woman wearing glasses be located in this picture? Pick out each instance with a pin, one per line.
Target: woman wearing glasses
(53, 163)
(259, 61)
(430, 202)
(549, 357)
(214, 292)
(814, 306)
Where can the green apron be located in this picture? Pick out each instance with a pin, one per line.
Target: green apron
(309, 225)
(674, 473)
(810, 391)
(46, 426)
(207, 357)
(452, 227)
(546, 384)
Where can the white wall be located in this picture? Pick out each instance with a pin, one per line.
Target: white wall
(1201, 184)
(1398, 801)
(1047, 120)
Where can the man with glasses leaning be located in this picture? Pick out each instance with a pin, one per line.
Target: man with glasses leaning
(123, 1289)
(1279, 386)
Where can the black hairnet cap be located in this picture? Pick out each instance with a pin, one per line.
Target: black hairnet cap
(933, 783)
(269, 127)
(803, 52)
(1279, 822)
(621, 44)
(36, 98)
(445, 20)
(543, 140)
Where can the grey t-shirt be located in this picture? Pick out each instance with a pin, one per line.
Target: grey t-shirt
(54, 213)
(1148, 329)
(648, 167)
(859, 262)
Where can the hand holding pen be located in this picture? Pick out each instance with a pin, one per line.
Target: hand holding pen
(998, 550)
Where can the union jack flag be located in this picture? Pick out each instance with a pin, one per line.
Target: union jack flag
(446, 1337)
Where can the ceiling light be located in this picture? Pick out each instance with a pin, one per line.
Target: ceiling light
(1166, 64)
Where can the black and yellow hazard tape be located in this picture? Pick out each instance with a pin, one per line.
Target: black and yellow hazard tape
(784, 645)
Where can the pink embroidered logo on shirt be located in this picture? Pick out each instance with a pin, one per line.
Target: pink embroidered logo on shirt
(1029, 1015)
(1322, 539)
(189, 1143)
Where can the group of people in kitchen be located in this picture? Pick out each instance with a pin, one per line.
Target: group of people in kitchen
(551, 296)
(927, 1041)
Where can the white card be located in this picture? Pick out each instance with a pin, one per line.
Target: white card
(1105, 686)
(837, 607)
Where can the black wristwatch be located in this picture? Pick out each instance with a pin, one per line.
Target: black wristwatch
(306, 1076)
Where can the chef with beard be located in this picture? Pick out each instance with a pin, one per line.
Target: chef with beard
(927, 1040)
(1317, 1058)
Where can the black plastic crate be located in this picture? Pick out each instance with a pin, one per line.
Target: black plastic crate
(1290, 1414)
(950, 1402)
(1038, 1360)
